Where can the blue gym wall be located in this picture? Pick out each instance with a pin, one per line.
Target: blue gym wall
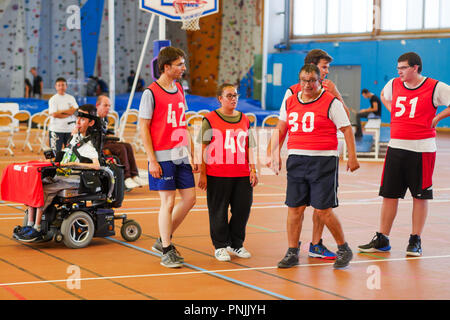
(378, 61)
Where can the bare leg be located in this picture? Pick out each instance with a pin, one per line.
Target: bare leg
(31, 212)
(419, 215)
(317, 228)
(294, 225)
(165, 216)
(388, 213)
(182, 208)
(328, 217)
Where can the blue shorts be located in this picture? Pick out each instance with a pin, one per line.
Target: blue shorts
(312, 181)
(175, 175)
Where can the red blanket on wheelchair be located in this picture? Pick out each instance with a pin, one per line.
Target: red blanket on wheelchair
(22, 183)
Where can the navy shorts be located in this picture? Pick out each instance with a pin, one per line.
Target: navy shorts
(312, 181)
(175, 175)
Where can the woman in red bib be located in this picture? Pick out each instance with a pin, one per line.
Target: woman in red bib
(227, 174)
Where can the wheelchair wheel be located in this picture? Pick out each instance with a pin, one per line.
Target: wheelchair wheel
(130, 230)
(77, 230)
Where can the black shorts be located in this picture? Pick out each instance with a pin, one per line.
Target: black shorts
(405, 169)
(312, 180)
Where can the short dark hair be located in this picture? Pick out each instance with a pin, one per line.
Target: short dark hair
(222, 87)
(364, 91)
(89, 108)
(412, 58)
(314, 56)
(60, 79)
(310, 68)
(168, 55)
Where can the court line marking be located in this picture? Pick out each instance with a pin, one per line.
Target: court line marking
(3, 203)
(344, 203)
(204, 271)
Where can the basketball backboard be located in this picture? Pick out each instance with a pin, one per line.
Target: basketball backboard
(166, 9)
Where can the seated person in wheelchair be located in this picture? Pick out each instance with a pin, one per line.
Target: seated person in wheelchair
(122, 150)
(80, 152)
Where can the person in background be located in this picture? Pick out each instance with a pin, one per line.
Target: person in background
(375, 109)
(61, 108)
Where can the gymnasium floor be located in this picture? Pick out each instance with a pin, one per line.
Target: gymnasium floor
(110, 268)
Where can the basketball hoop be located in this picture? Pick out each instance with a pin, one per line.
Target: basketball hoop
(189, 12)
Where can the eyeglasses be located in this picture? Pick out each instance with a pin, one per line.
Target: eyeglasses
(181, 64)
(311, 81)
(232, 96)
(403, 68)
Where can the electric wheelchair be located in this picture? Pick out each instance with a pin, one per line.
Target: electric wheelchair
(77, 215)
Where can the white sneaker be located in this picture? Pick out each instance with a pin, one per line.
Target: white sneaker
(130, 184)
(141, 182)
(222, 254)
(241, 252)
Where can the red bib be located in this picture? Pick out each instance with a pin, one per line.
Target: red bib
(21, 182)
(168, 127)
(412, 110)
(309, 126)
(227, 154)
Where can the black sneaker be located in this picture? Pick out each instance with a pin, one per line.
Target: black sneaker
(379, 243)
(415, 246)
(343, 257)
(290, 259)
(30, 236)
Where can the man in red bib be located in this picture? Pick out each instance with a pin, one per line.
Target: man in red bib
(166, 139)
(311, 119)
(322, 60)
(412, 100)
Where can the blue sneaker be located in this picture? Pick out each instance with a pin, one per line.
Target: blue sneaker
(19, 230)
(320, 251)
(414, 247)
(30, 236)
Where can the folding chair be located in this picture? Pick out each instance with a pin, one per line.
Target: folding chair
(7, 122)
(252, 118)
(22, 116)
(270, 121)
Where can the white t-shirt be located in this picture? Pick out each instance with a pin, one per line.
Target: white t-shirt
(441, 97)
(337, 115)
(59, 103)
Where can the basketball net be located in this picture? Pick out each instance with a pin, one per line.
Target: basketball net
(189, 12)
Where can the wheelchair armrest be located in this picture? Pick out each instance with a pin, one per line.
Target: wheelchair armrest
(114, 139)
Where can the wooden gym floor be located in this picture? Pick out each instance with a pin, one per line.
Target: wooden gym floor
(110, 268)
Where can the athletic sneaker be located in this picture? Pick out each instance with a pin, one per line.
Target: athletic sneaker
(221, 254)
(30, 236)
(290, 259)
(241, 252)
(343, 257)
(158, 247)
(415, 246)
(379, 243)
(19, 230)
(320, 251)
(170, 259)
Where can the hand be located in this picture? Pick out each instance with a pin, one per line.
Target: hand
(352, 164)
(253, 178)
(202, 184)
(195, 168)
(274, 163)
(434, 122)
(154, 169)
